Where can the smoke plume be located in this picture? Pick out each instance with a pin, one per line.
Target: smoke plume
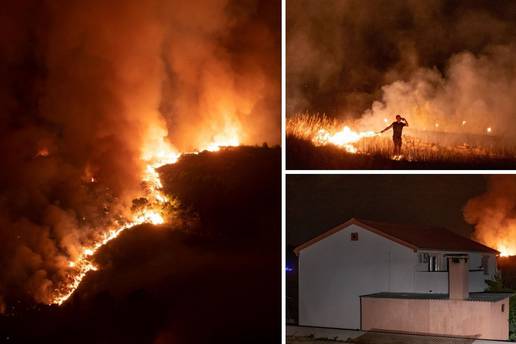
(445, 65)
(88, 86)
(494, 214)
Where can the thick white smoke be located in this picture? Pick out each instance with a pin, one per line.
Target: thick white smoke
(474, 96)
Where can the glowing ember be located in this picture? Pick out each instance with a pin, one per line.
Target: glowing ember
(344, 138)
(437, 125)
(488, 129)
(155, 155)
(43, 152)
(464, 122)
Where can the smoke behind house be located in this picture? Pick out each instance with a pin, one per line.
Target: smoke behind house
(86, 84)
(493, 214)
(450, 63)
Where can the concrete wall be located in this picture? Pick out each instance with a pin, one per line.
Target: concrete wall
(483, 320)
(499, 320)
(335, 271)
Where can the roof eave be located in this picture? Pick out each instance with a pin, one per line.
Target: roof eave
(352, 221)
(355, 221)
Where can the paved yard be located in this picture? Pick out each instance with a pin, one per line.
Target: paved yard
(310, 340)
(381, 338)
(307, 335)
(389, 338)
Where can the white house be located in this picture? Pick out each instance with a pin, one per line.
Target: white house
(360, 258)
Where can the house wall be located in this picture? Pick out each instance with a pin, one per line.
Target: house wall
(483, 320)
(335, 271)
(437, 281)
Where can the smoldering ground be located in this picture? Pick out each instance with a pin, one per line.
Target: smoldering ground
(86, 84)
(448, 66)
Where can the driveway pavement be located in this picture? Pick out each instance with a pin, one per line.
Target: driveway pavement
(315, 335)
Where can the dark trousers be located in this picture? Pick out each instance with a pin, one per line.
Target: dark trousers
(397, 145)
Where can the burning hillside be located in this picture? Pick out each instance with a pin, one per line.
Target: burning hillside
(216, 259)
(96, 97)
(152, 208)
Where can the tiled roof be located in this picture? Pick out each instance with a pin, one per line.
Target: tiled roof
(417, 237)
(482, 297)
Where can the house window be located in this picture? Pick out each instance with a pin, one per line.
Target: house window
(433, 264)
(436, 262)
(423, 258)
(354, 236)
(485, 264)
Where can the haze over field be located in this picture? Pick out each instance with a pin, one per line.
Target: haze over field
(448, 66)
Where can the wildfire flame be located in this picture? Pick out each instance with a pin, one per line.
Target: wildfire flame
(158, 153)
(321, 130)
(505, 246)
(215, 146)
(505, 251)
(344, 138)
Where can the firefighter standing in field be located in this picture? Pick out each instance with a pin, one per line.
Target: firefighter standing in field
(397, 129)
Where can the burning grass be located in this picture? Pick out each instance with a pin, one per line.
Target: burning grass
(320, 142)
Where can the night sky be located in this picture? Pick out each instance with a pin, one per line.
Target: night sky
(316, 203)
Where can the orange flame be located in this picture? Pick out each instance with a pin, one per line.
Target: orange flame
(344, 138)
(223, 142)
(156, 153)
(83, 264)
(505, 251)
(505, 248)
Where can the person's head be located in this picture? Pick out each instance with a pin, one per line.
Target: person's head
(398, 118)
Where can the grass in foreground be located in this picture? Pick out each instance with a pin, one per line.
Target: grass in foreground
(302, 154)
(421, 150)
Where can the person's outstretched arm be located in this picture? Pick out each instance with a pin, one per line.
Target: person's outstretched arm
(384, 130)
